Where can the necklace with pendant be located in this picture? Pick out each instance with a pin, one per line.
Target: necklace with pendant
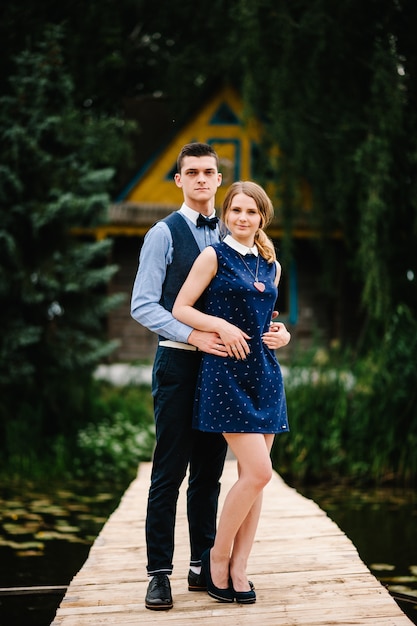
(256, 283)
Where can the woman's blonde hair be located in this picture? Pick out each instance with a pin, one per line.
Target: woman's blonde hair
(265, 208)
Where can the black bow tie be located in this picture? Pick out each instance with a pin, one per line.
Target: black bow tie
(207, 221)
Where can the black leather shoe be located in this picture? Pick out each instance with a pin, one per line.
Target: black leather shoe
(246, 597)
(221, 595)
(196, 582)
(159, 597)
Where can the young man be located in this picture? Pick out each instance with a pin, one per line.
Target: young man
(169, 250)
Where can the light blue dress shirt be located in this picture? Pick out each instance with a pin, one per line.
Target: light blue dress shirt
(155, 256)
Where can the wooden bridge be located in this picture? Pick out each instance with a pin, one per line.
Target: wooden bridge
(305, 570)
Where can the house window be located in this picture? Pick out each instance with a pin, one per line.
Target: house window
(229, 151)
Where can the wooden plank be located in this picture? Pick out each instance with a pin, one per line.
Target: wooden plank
(305, 570)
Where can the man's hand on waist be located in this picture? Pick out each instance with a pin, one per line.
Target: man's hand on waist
(207, 342)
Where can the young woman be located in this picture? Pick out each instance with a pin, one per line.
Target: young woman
(241, 396)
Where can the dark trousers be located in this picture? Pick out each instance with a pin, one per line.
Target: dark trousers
(178, 447)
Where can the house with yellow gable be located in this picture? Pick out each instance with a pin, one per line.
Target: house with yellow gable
(152, 194)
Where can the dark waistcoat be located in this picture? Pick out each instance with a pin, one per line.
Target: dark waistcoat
(185, 253)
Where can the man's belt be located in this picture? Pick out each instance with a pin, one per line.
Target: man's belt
(167, 343)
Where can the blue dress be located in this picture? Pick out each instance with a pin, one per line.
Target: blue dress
(235, 396)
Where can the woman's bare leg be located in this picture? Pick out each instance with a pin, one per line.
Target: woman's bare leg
(255, 471)
(243, 545)
(245, 537)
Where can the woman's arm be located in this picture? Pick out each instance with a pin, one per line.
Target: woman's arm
(278, 335)
(278, 273)
(199, 278)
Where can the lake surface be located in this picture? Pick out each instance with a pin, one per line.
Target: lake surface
(46, 532)
(382, 524)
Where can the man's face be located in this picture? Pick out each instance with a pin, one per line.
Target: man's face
(199, 179)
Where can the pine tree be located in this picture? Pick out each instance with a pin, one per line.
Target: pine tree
(54, 175)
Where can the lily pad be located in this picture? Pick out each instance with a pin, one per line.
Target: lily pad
(381, 567)
(409, 591)
(24, 545)
(21, 528)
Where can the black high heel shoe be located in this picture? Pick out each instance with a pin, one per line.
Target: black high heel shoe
(221, 595)
(246, 597)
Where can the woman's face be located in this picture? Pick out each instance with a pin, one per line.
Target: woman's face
(243, 218)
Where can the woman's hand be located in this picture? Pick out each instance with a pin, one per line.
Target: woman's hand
(277, 336)
(234, 340)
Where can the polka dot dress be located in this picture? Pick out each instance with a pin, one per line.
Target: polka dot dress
(241, 396)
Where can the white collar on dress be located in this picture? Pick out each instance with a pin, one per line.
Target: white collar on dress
(240, 247)
(191, 214)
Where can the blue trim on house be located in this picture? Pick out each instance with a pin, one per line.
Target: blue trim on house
(125, 192)
(224, 115)
(293, 295)
(146, 166)
(254, 159)
(169, 176)
(290, 315)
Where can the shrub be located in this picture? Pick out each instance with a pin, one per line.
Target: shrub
(357, 422)
(121, 435)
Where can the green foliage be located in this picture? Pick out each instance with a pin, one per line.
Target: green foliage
(318, 408)
(388, 399)
(122, 436)
(56, 165)
(118, 434)
(358, 426)
(336, 87)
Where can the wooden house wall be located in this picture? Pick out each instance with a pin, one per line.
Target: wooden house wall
(135, 341)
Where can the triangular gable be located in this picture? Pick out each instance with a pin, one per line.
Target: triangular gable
(224, 115)
(219, 123)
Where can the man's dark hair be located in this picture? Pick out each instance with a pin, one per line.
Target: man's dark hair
(196, 149)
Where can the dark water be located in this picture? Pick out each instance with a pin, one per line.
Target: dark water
(46, 531)
(382, 524)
